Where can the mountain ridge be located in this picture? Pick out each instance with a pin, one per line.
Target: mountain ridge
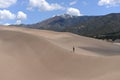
(91, 26)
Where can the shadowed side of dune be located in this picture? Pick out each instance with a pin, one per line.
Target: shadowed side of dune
(102, 51)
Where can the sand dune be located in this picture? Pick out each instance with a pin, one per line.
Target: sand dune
(29, 54)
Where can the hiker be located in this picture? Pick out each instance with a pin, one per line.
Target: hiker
(73, 49)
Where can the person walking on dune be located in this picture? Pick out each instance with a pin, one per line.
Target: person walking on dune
(73, 49)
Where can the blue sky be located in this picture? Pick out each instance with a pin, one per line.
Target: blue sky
(33, 11)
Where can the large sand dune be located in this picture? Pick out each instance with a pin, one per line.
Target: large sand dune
(29, 54)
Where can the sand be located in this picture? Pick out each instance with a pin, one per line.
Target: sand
(30, 54)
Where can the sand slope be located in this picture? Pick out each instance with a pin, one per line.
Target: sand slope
(29, 54)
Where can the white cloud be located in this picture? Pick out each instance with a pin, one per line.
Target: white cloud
(21, 16)
(7, 3)
(18, 22)
(109, 3)
(43, 5)
(6, 14)
(73, 11)
(72, 3)
(6, 24)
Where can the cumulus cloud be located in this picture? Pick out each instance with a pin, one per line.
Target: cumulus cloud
(18, 22)
(73, 11)
(6, 14)
(72, 3)
(6, 24)
(21, 16)
(7, 3)
(43, 5)
(109, 3)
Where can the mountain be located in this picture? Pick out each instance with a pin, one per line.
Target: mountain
(106, 26)
(58, 23)
(98, 25)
